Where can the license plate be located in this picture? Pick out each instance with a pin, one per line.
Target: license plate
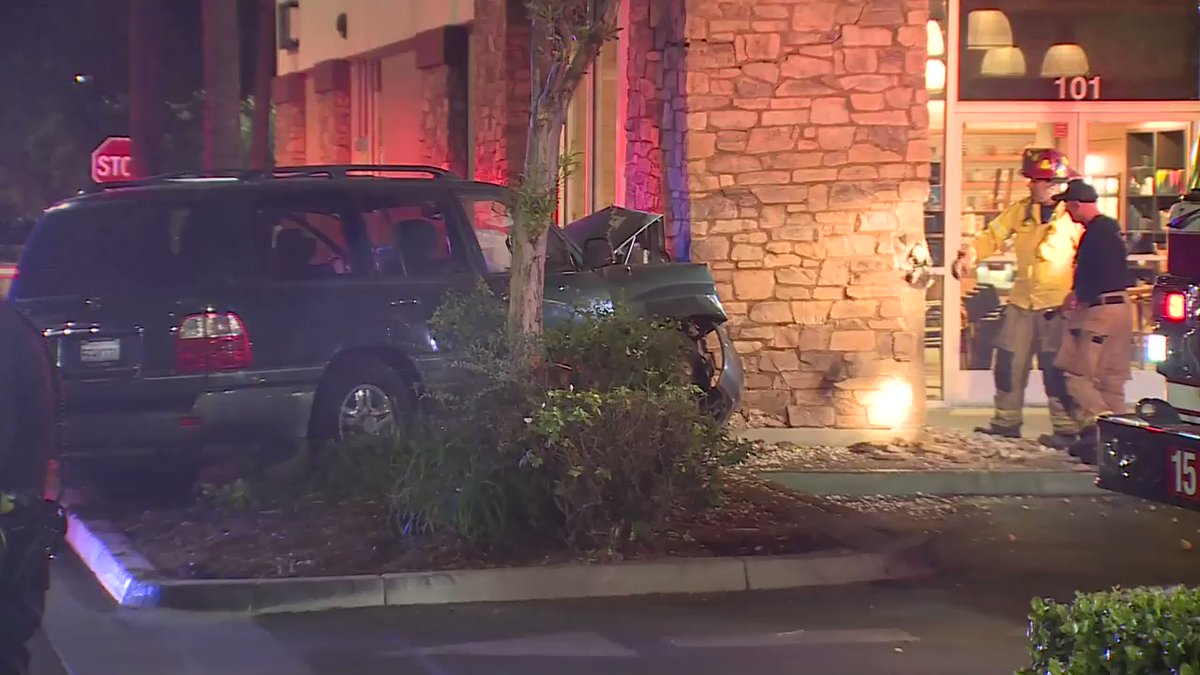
(100, 351)
(1182, 469)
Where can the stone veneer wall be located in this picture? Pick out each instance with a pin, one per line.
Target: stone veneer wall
(331, 114)
(291, 135)
(500, 88)
(442, 61)
(443, 115)
(807, 162)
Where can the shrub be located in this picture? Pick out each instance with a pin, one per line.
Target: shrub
(586, 437)
(1140, 631)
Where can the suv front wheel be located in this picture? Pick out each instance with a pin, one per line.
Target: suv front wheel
(365, 396)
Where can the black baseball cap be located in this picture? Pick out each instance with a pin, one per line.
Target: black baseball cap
(1077, 190)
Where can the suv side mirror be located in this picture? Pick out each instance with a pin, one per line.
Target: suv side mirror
(598, 252)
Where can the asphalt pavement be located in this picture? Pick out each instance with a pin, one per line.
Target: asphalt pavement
(970, 620)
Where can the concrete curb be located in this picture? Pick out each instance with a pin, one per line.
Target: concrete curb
(132, 581)
(939, 483)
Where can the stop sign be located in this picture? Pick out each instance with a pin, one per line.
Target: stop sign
(112, 160)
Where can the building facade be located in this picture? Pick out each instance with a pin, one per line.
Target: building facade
(798, 147)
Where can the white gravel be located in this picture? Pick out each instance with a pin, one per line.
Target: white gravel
(934, 448)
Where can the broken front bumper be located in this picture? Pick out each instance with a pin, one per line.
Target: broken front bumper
(1155, 458)
(727, 395)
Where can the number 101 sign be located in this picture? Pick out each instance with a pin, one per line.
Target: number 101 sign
(1078, 88)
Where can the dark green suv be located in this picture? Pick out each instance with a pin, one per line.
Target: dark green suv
(193, 313)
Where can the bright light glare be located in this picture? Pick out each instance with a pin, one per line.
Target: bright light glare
(891, 404)
(1156, 348)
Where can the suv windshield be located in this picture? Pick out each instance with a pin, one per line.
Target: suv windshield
(81, 249)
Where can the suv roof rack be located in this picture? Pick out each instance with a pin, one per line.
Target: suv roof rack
(331, 171)
(344, 170)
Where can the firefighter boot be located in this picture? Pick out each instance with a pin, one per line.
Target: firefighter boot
(1058, 440)
(1088, 445)
(1004, 432)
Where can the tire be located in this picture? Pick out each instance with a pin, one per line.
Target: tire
(382, 384)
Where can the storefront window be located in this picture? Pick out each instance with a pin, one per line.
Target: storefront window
(935, 216)
(575, 150)
(934, 339)
(590, 139)
(1079, 50)
(1139, 169)
(604, 160)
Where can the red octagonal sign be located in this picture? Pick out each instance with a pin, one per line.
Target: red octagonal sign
(112, 160)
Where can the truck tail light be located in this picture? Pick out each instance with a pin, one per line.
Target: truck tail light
(210, 343)
(1175, 306)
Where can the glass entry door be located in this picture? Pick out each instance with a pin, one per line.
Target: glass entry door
(983, 174)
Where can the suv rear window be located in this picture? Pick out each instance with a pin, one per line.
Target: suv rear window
(84, 248)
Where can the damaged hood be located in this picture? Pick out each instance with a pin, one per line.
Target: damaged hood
(628, 231)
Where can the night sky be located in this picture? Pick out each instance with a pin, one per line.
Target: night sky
(49, 41)
(49, 123)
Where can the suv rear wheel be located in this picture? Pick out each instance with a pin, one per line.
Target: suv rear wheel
(364, 396)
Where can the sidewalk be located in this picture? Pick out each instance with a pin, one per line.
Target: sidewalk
(1037, 420)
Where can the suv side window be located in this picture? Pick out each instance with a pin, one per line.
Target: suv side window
(491, 221)
(303, 239)
(408, 236)
(117, 245)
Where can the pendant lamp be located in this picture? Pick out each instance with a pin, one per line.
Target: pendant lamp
(987, 29)
(1003, 62)
(1065, 60)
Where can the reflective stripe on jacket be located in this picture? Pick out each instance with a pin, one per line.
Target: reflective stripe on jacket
(1045, 252)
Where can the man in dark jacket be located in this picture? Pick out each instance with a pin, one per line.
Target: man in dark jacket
(28, 414)
(1098, 352)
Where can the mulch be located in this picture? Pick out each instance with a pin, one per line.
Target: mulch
(203, 541)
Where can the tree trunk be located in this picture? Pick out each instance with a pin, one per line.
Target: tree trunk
(264, 71)
(222, 87)
(146, 105)
(530, 225)
(566, 36)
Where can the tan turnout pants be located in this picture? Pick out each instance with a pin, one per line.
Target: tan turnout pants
(1097, 356)
(1024, 333)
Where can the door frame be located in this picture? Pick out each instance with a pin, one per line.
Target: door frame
(977, 388)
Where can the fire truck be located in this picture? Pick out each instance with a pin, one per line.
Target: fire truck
(1154, 452)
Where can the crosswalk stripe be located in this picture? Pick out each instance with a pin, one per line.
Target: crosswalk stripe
(795, 637)
(565, 645)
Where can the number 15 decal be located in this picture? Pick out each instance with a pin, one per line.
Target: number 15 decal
(1183, 473)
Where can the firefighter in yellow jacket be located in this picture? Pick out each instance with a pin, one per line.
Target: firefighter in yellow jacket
(1043, 238)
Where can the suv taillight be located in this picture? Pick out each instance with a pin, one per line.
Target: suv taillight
(208, 343)
(1175, 306)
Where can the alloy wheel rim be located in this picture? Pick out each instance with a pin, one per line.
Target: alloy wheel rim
(367, 409)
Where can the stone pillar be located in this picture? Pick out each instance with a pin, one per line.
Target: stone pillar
(500, 89)
(442, 60)
(643, 123)
(331, 114)
(656, 124)
(287, 95)
(808, 166)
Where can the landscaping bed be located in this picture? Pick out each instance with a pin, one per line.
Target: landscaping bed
(933, 449)
(208, 541)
